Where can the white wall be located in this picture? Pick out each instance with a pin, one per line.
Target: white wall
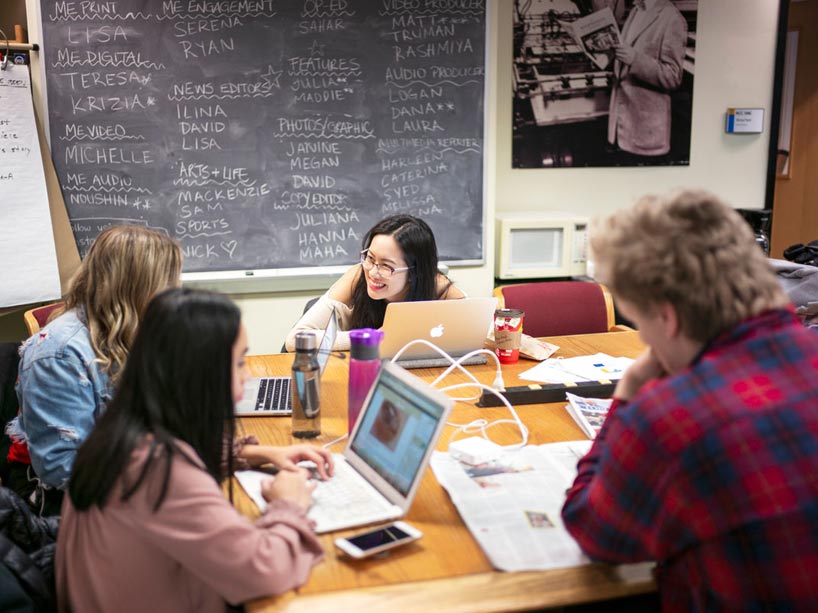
(734, 66)
(735, 53)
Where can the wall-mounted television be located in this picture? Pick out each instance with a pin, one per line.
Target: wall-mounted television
(541, 244)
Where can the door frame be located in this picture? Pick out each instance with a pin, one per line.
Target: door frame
(775, 113)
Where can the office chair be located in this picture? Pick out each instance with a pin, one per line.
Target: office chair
(307, 307)
(37, 317)
(557, 308)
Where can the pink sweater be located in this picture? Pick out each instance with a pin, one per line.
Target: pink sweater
(194, 554)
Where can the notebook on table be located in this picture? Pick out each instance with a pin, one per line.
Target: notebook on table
(379, 472)
(456, 326)
(270, 396)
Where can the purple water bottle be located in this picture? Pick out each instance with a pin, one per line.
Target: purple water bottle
(364, 363)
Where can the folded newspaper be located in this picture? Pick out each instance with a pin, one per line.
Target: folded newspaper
(589, 413)
(511, 505)
(597, 35)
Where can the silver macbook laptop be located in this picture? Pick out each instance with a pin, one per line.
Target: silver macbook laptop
(270, 396)
(456, 326)
(379, 472)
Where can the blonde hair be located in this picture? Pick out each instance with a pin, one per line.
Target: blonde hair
(125, 267)
(691, 250)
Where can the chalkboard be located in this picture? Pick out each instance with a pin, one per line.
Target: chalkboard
(268, 134)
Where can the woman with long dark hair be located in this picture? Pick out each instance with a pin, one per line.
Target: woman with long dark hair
(145, 525)
(398, 264)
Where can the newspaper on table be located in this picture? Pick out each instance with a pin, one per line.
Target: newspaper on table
(597, 35)
(512, 506)
(589, 413)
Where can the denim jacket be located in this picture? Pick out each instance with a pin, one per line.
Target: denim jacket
(62, 390)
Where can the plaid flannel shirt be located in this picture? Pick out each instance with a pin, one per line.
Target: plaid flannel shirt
(713, 473)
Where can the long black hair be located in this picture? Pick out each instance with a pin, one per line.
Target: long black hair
(417, 241)
(177, 384)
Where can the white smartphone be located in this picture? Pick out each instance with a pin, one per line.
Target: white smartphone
(381, 539)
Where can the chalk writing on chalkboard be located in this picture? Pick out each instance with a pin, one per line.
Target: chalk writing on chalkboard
(269, 133)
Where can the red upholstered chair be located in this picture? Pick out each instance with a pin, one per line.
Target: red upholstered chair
(37, 317)
(557, 308)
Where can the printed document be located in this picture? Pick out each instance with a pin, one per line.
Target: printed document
(589, 413)
(512, 507)
(597, 367)
(596, 34)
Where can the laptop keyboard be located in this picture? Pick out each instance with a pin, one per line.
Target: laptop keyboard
(347, 499)
(274, 396)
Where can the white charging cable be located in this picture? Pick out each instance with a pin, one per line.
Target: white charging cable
(498, 380)
(481, 425)
(498, 385)
(478, 425)
(333, 442)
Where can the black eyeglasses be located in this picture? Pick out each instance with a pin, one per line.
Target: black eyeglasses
(385, 271)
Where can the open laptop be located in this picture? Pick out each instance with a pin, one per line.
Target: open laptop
(270, 396)
(380, 470)
(456, 326)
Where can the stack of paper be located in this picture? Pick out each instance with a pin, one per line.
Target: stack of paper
(597, 367)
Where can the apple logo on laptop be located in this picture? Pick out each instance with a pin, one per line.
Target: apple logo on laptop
(437, 331)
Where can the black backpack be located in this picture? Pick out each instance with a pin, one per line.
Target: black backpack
(803, 254)
(27, 547)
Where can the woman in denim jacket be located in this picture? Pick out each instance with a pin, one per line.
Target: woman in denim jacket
(69, 368)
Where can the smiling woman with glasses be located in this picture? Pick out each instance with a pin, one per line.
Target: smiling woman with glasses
(385, 271)
(398, 264)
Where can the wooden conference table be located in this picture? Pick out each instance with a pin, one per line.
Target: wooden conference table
(446, 569)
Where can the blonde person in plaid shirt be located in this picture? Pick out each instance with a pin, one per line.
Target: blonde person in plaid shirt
(707, 460)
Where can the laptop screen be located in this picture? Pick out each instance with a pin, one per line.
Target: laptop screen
(328, 340)
(456, 326)
(397, 428)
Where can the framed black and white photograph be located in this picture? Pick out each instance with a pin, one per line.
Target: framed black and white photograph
(603, 82)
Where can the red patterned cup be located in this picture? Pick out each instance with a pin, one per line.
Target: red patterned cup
(508, 332)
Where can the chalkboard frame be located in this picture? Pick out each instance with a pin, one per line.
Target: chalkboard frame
(269, 280)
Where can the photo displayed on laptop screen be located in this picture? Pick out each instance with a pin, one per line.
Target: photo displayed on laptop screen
(396, 431)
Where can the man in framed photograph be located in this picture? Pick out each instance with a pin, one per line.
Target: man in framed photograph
(648, 66)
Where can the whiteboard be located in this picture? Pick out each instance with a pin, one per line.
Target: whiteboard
(27, 250)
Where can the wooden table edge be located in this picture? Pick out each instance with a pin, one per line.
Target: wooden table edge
(483, 592)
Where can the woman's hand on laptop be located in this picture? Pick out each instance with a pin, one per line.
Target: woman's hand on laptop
(292, 486)
(287, 458)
